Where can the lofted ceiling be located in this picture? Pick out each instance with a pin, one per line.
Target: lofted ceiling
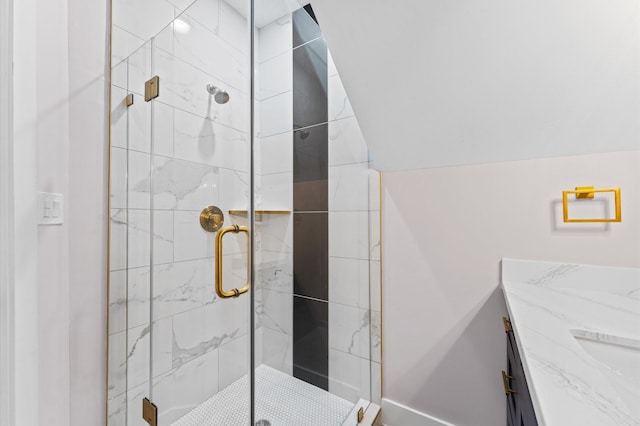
(438, 83)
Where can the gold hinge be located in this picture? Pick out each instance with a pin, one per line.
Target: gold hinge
(129, 99)
(507, 325)
(149, 412)
(360, 414)
(152, 88)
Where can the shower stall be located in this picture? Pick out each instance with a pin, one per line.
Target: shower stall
(244, 240)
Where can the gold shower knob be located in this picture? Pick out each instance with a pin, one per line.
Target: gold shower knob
(211, 218)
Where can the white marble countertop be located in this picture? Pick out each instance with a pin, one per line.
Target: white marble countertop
(550, 304)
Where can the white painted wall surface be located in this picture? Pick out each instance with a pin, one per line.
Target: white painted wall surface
(445, 231)
(60, 122)
(436, 83)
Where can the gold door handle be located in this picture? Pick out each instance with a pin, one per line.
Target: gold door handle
(505, 383)
(219, 290)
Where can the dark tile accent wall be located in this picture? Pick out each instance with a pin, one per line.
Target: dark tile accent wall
(310, 202)
(310, 255)
(310, 104)
(305, 26)
(310, 168)
(311, 341)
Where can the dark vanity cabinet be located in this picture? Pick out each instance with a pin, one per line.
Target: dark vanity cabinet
(520, 410)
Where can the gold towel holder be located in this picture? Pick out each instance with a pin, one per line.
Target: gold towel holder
(587, 192)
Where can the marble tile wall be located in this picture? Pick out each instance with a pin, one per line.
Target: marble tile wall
(171, 338)
(354, 224)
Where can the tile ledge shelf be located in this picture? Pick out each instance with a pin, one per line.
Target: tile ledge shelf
(259, 212)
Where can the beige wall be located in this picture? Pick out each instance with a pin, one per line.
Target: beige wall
(445, 231)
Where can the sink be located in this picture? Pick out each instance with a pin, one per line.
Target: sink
(618, 359)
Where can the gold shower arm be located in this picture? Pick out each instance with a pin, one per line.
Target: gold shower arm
(219, 289)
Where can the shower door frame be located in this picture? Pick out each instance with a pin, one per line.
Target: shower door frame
(7, 285)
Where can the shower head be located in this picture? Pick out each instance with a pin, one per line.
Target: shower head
(219, 95)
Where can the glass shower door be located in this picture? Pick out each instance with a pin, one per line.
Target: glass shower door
(200, 339)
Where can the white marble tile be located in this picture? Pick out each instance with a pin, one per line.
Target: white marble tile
(183, 286)
(138, 176)
(376, 336)
(349, 235)
(346, 143)
(162, 236)
(375, 292)
(190, 240)
(134, 404)
(130, 238)
(374, 236)
(277, 311)
(275, 234)
(123, 43)
(349, 282)
(275, 271)
(349, 330)
(349, 187)
(118, 175)
(376, 383)
(185, 87)
(206, 12)
(277, 350)
(331, 65)
(118, 118)
(143, 18)
(139, 71)
(234, 28)
(204, 141)
(208, 52)
(339, 105)
(163, 132)
(162, 345)
(275, 76)
(349, 376)
(117, 364)
(550, 304)
(374, 190)
(275, 38)
(118, 240)
(117, 410)
(184, 4)
(234, 361)
(138, 355)
(139, 125)
(234, 190)
(119, 74)
(276, 153)
(275, 191)
(184, 185)
(204, 329)
(117, 301)
(235, 271)
(186, 387)
(276, 115)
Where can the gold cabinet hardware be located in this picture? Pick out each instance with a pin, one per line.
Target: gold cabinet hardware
(211, 218)
(505, 383)
(219, 289)
(149, 412)
(588, 192)
(360, 414)
(152, 88)
(129, 100)
(507, 325)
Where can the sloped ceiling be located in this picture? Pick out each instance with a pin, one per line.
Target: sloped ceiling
(438, 83)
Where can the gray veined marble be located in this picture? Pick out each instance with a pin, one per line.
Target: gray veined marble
(578, 331)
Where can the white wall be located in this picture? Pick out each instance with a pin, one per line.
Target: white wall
(471, 82)
(60, 144)
(445, 231)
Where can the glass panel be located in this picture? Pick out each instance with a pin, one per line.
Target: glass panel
(172, 339)
(317, 268)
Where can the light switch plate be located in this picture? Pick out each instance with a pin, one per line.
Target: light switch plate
(50, 208)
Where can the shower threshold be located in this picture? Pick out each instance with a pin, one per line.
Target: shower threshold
(281, 400)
